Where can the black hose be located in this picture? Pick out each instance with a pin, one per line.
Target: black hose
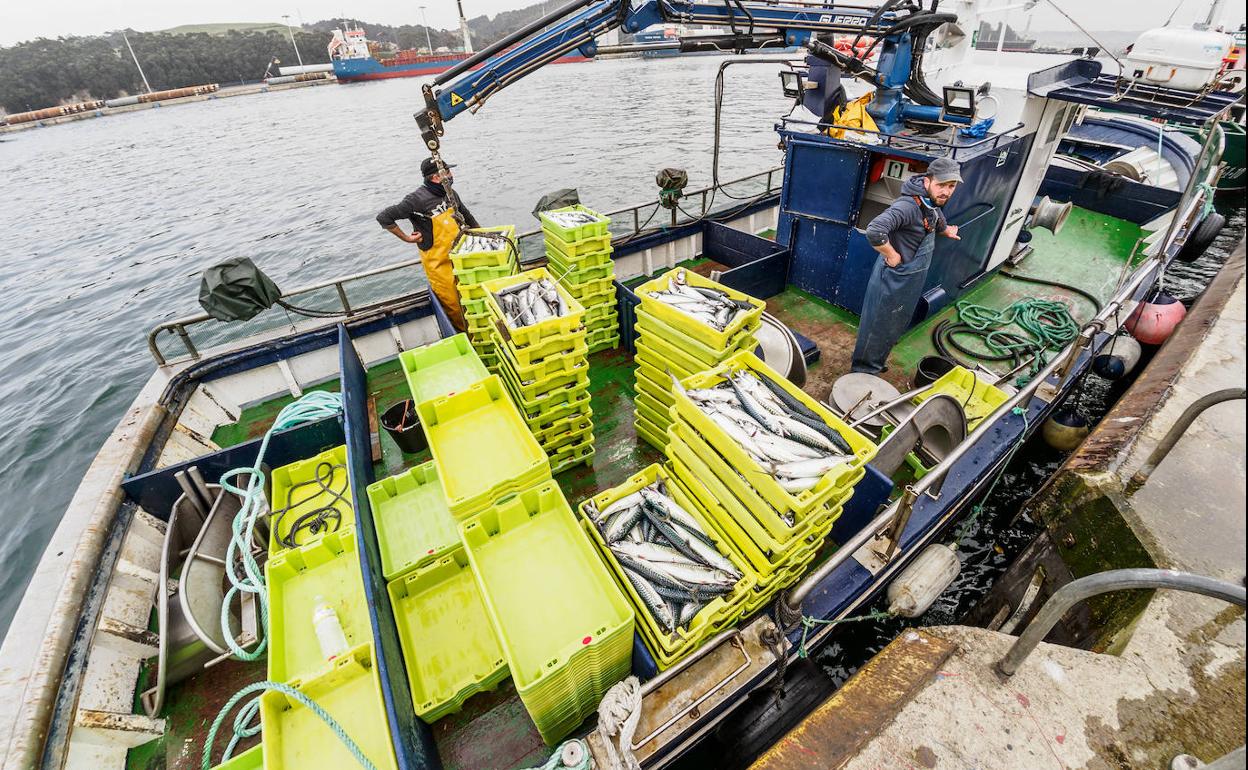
(945, 343)
(1096, 303)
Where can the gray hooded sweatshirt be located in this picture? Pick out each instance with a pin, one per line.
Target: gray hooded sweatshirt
(901, 224)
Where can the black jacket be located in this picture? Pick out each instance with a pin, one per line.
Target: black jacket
(901, 224)
(419, 207)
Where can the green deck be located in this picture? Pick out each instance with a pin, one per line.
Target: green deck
(493, 730)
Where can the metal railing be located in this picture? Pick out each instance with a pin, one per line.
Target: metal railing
(627, 223)
(912, 143)
(181, 326)
(1194, 410)
(1104, 582)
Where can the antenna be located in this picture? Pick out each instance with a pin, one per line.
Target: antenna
(136, 61)
(463, 27)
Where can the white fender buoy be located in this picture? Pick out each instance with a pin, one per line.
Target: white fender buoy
(1118, 359)
(922, 583)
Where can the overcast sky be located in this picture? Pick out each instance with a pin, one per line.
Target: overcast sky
(50, 18)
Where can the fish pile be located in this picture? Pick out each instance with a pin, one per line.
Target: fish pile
(670, 561)
(473, 244)
(531, 302)
(710, 306)
(571, 218)
(784, 436)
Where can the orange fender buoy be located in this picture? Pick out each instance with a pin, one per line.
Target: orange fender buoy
(1153, 322)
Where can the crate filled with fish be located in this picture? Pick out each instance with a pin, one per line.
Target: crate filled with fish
(483, 247)
(789, 452)
(574, 224)
(684, 577)
(667, 348)
(543, 359)
(578, 254)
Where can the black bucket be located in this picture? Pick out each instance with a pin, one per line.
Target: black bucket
(401, 422)
(931, 368)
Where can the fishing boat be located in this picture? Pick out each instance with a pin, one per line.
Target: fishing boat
(131, 646)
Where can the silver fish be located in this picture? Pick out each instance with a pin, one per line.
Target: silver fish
(687, 613)
(796, 486)
(652, 599)
(803, 468)
(619, 525)
(672, 509)
(754, 409)
(627, 501)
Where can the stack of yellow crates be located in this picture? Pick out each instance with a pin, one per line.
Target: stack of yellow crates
(673, 343)
(545, 368)
(578, 254)
(479, 256)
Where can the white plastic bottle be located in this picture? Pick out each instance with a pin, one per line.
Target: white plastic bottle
(328, 630)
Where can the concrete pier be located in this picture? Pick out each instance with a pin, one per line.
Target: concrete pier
(932, 699)
(224, 93)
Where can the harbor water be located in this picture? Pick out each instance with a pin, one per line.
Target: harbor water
(108, 222)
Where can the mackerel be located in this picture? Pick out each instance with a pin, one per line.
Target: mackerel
(688, 612)
(681, 576)
(753, 408)
(803, 468)
(795, 486)
(621, 523)
(664, 503)
(652, 599)
(691, 595)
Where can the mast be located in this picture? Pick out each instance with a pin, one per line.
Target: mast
(136, 61)
(463, 27)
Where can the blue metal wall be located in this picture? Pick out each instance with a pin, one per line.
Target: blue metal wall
(822, 196)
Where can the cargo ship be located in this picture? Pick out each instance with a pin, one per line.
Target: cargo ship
(456, 601)
(353, 61)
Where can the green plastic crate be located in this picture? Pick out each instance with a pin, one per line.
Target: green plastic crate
(297, 488)
(474, 306)
(834, 486)
(557, 412)
(449, 647)
(657, 386)
(529, 398)
(465, 260)
(571, 455)
(330, 569)
(441, 367)
(596, 315)
(482, 447)
(978, 398)
(251, 759)
(555, 244)
(577, 425)
(671, 357)
(546, 368)
(745, 339)
(609, 340)
(581, 259)
(547, 402)
(414, 523)
(575, 275)
(654, 410)
(579, 232)
(538, 332)
(554, 346)
(658, 371)
(594, 292)
(712, 338)
(560, 618)
(735, 521)
(297, 739)
(775, 530)
(668, 648)
(649, 432)
(479, 275)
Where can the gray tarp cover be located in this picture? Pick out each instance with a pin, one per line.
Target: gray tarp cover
(557, 200)
(236, 290)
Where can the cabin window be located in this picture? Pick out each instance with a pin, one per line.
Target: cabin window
(1055, 125)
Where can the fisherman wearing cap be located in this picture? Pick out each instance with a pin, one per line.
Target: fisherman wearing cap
(434, 230)
(905, 235)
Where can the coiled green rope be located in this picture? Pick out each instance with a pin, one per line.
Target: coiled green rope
(1046, 325)
(245, 726)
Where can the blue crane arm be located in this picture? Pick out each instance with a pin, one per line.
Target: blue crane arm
(575, 27)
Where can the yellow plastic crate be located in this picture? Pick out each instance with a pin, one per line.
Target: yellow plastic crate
(978, 398)
(414, 523)
(466, 260)
(655, 328)
(834, 486)
(304, 487)
(719, 612)
(691, 326)
(534, 333)
(571, 455)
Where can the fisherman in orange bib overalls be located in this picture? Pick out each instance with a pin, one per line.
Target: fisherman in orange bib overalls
(433, 230)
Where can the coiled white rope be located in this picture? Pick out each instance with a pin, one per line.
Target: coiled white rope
(618, 715)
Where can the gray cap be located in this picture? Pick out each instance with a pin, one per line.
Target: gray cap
(944, 170)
